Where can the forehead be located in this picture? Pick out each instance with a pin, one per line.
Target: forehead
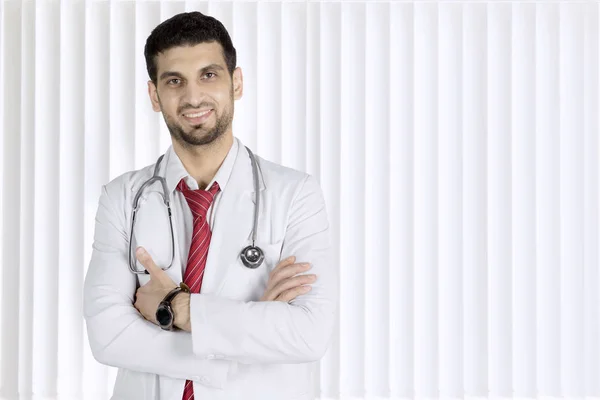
(183, 58)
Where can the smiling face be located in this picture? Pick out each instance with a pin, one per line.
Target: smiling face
(195, 93)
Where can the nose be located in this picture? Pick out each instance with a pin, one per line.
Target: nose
(193, 95)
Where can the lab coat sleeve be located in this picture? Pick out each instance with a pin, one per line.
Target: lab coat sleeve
(273, 331)
(118, 334)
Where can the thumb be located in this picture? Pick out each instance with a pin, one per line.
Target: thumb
(146, 260)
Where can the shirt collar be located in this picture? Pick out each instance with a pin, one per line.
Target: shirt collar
(176, 171)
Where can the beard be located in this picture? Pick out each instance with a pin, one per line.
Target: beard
(195, 137)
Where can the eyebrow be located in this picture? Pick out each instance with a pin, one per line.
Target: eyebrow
(202, 71)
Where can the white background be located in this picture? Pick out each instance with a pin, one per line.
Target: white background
(456, 143)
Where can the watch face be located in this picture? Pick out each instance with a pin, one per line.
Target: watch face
(164, 315)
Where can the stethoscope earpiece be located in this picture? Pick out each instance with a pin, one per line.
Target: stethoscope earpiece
(252, 256)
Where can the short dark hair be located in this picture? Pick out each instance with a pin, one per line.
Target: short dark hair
(187, 29)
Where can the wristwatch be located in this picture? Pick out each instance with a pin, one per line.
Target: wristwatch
(164, 312)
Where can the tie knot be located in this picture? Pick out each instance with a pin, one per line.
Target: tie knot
(198, 200)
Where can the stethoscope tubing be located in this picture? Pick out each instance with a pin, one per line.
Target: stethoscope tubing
(252, 256)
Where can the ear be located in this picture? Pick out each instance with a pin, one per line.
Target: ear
(153, 96)
(238, 83)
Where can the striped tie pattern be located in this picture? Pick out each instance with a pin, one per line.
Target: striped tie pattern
(199, 202)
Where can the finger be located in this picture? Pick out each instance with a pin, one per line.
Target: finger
(277, 277)
(284, 263)
(288, 271)
(291, 294)
(267, 296)
(146, 260)
(277, 289)
(294, 282)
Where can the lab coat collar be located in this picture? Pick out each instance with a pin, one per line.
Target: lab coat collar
(176, 171)
(241, 177)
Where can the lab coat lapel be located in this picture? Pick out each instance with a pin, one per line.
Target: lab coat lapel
(232, 228)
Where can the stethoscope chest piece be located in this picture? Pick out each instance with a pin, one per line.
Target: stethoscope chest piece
(252, 256)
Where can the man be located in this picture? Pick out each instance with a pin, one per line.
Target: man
(239, 333)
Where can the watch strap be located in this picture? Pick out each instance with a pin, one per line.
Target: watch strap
(181, 288)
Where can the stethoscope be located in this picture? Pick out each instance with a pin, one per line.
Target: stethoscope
(252, 256)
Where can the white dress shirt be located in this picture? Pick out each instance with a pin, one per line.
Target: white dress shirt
(177, 171)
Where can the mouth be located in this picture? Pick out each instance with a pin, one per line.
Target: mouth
(198, 117)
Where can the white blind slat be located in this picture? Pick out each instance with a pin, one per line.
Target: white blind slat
(96, 156)
(269, 48)
(590, 184)
(475, 257)
(353, 184)
(523, 176)
(571, 199)
(377, 200)
(547, 200)
(401, 250)
(47, 189)
(425, 229)
(499, 206)
(10, 150)
(330, 124)
(70, 233)
(450, 172)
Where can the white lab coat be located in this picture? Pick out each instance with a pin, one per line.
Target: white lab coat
(239, 347)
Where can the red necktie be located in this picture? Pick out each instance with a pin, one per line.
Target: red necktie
(199, 202)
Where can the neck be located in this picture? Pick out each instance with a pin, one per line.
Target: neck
(203, 162)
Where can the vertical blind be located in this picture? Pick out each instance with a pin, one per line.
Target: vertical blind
(456, 143)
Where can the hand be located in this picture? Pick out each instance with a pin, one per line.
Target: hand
(284, 285)
(149, 296)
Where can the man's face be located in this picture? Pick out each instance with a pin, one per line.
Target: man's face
(195, 92)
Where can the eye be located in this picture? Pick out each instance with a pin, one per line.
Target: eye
(171, 80)
(210, 73)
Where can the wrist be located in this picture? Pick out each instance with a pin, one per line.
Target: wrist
(181, 311)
